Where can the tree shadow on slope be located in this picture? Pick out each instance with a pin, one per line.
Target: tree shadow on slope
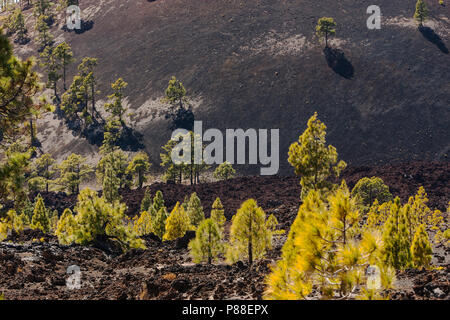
(130, 140)
(434, 38)
(339, 63)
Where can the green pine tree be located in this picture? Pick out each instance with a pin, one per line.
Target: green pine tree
(421, 13)
(40, 219)
(207, 244)
(147, 201)
(325, 28)
(218, 213)
(312, 160)
(421, 248)
(195, 210)
(249, 236)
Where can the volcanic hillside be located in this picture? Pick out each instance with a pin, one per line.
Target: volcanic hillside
(258, 64)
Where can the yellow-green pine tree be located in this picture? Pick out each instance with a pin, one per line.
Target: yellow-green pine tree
(40, 219)
(421, 248)
(159, 222)
(65, 228)
(249, 236)
(143, 225)
(207, 244)
(312, 159)
(218, 213)
(177, 223)
(195, 210)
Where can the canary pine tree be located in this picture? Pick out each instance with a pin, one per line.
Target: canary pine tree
(40, 219)
(326, 250)
(325, 28)
(158, 204)
(195, 210)
(207, 244)
(66, 227)
(421, 13)
(159, 222)
(115, 107)
(396, 245)
(97, 220)
(177, 223)
(139, 166)
(64, 55)
(111, 183)
(312, 160)
(43, 168)
(218, 213)
(12, 222)
(249, 236)
(73, 171)
(143, 224)
(370, 189)
(118, 162)
(224, 171)
(147, 201)
(421, 248)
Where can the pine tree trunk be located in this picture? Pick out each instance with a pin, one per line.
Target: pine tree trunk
(250, 244)
(209, 248)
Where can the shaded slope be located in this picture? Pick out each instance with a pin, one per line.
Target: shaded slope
(257, 64)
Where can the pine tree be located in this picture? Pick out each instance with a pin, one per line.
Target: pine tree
(207, 244)
(325, 250)
(86, 70)
(12, 222)
(112, 134)
(18, 90)
(111, 183)
(177, 223)
(249, 236)
(52, 67)
(73, 171)
(43, 168)
(224, 171)
(174, 172)
(159, 222)
(117, 160)
(143, 225)
(40, 218)
(158, 202)
(370, 189)
(218, 214)
(396, 246)
(312, 159)
(66, 227)
(325, 28)
(64, 54)
(175, 92)
(98, 220)
(13, 177)
(116, 107)
(147, 201)
(20, 27)
(421, 13)
(421, 248)
(44, 37)
(139, 166)
(195, 210)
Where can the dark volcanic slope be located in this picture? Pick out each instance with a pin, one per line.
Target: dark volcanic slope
(257, 64)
